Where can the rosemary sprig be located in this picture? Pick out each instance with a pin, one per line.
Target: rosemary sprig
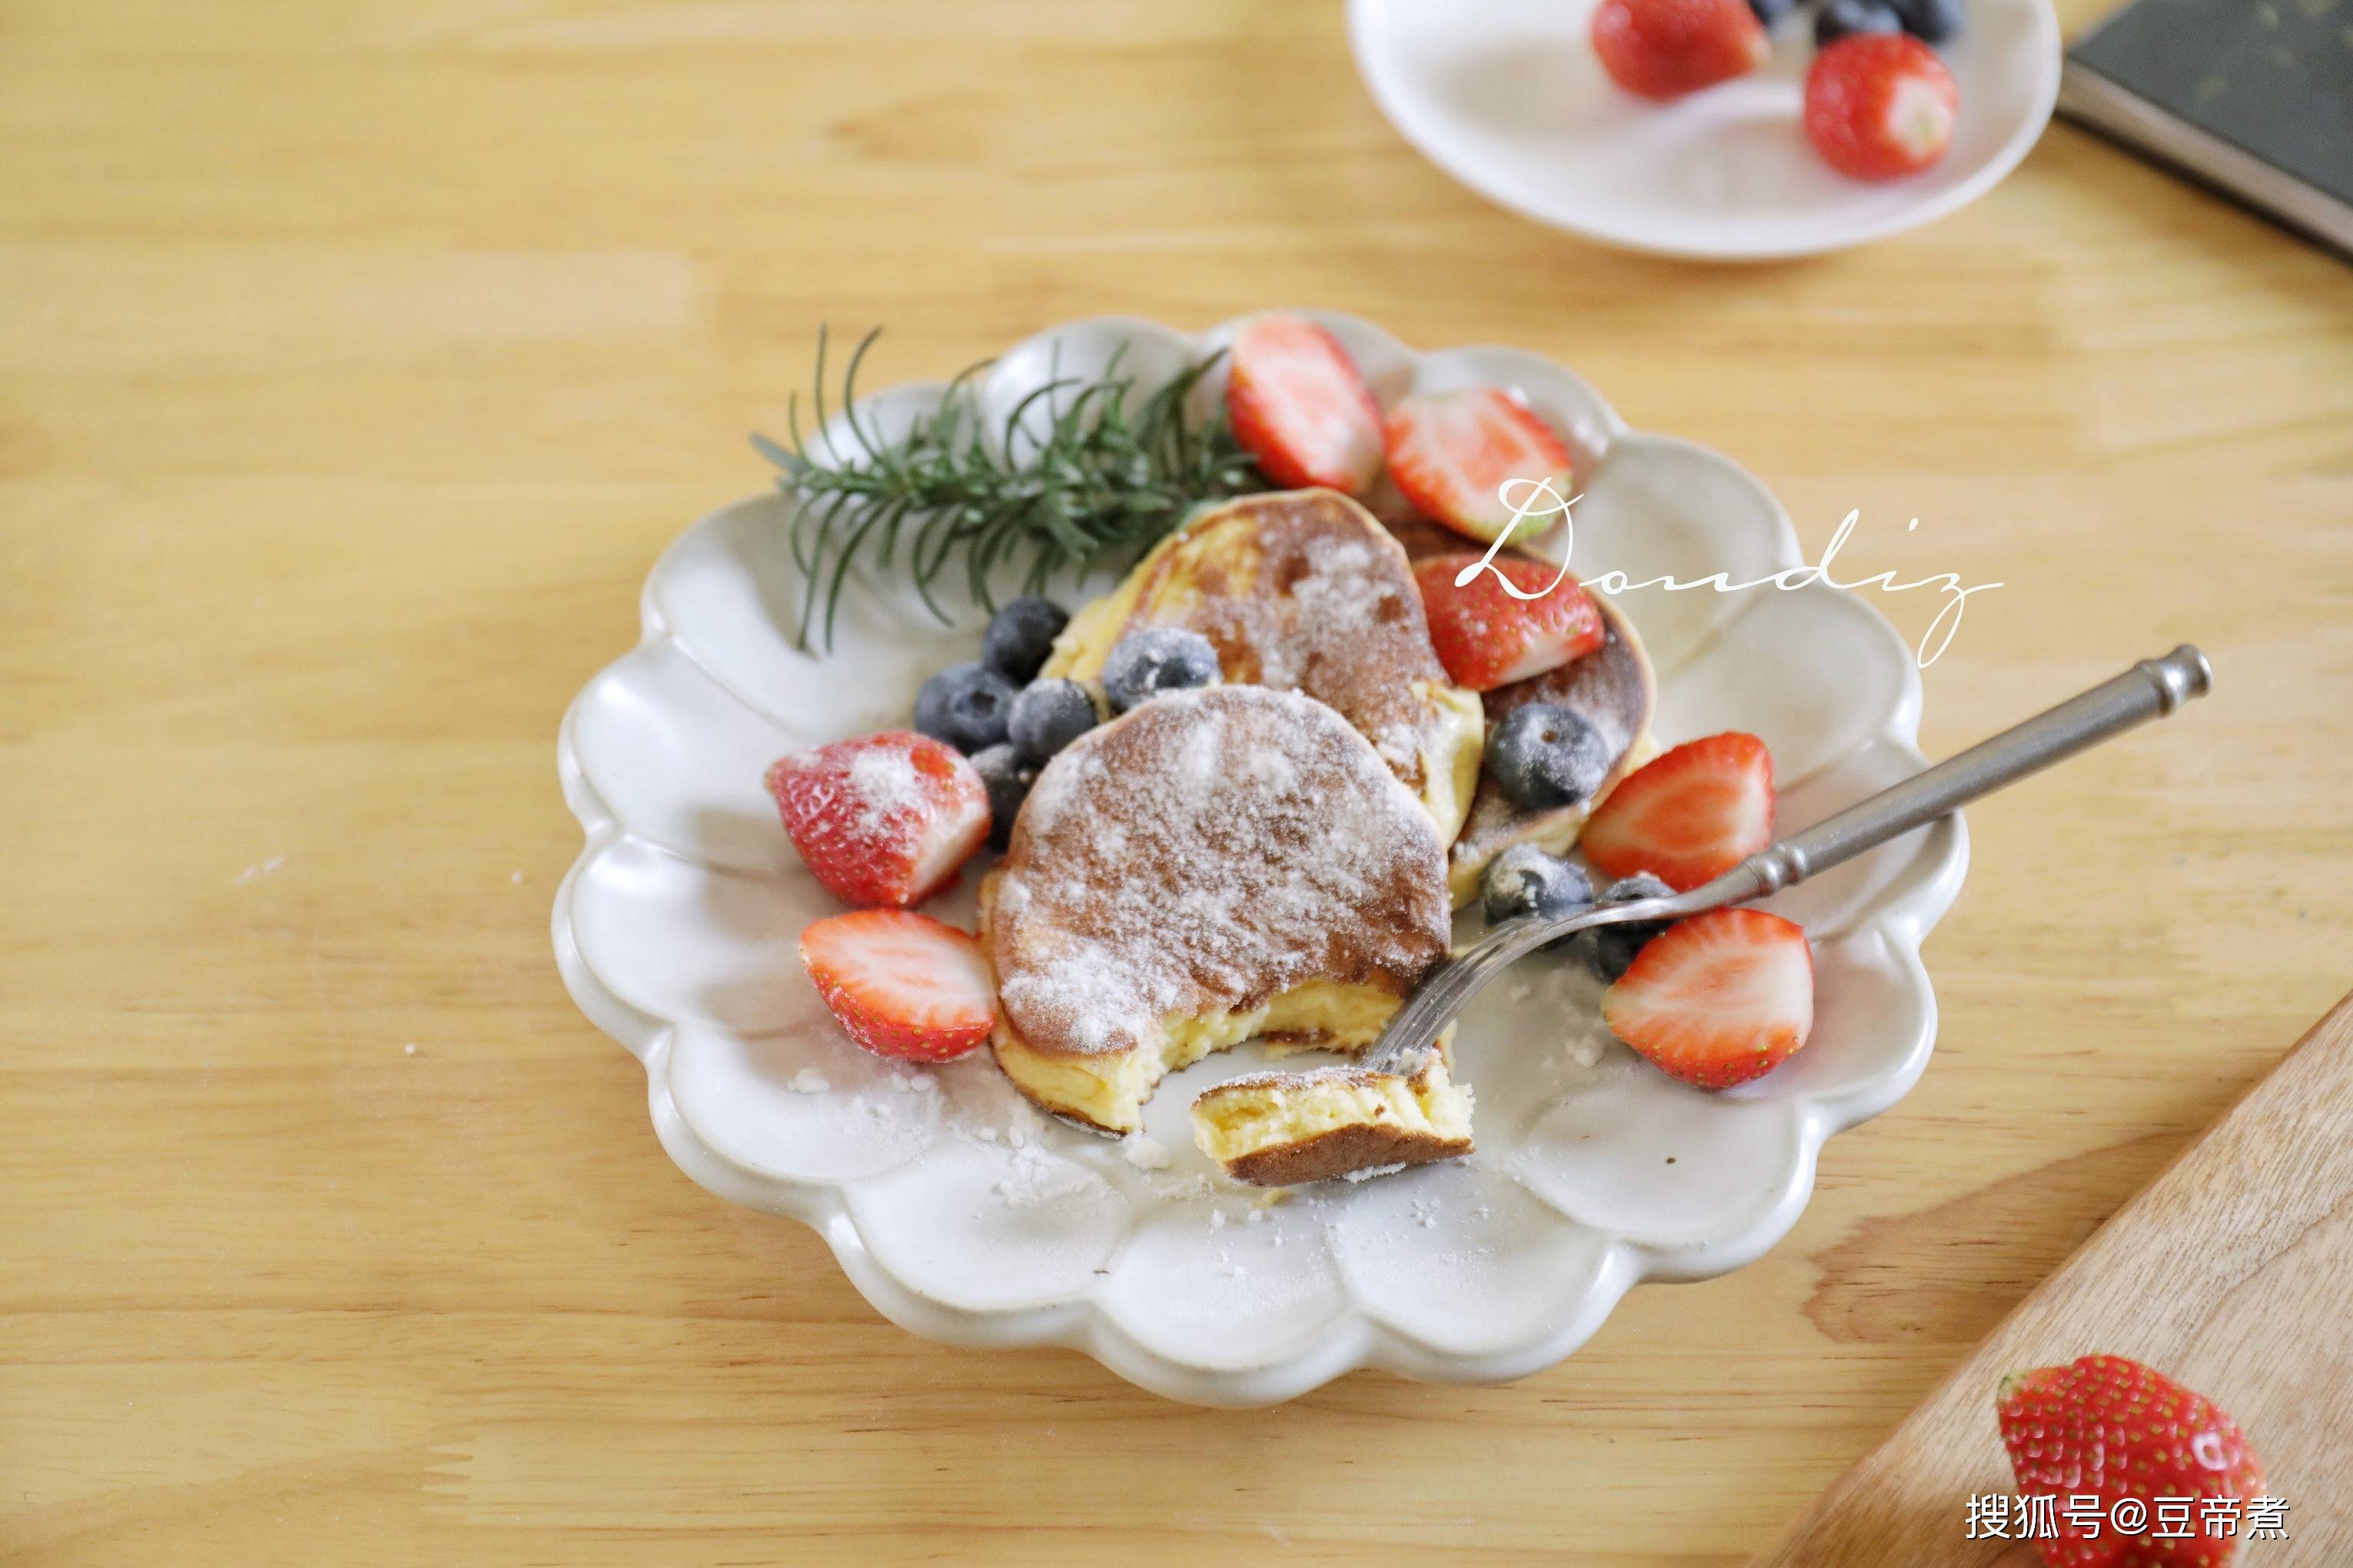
(1102, 479)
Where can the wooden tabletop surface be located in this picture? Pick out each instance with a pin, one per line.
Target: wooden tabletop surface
(357, 358)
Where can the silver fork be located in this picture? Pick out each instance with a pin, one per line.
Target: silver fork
(2149, 690)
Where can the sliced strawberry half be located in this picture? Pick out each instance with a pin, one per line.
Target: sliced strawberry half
(1688, 814)
(1718, 999)
(1451, 452)
(902, 984)
(1486, 637)
(1298, 406)
(883, 819)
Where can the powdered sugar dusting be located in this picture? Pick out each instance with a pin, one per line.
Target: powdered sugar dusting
(884, 781)
(1036, 1177)
(1339, 596)
(1307, 592)
(1269, 767)
(1184, 1189)
(1207, 851)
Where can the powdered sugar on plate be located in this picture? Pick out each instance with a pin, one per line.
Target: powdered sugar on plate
(1038, 1177)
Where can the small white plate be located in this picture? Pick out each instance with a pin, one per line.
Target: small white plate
(964, 1216)
(1507, 97)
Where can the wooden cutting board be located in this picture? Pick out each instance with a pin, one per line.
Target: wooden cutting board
(2233, 1272)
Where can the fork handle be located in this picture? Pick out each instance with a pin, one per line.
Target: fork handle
(2150, 689)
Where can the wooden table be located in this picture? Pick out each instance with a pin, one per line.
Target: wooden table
(357, 359)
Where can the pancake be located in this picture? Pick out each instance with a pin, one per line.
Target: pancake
(1613, 688)
(1214, 865)
(1304, 590)
(1280, 1129)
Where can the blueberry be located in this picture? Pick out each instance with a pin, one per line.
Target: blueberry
(1525, 881)
(1156, 659)
(1607, 950)
(1771, 11)
(1545, 755)
(1049, 715)
(965, 705)
(1840, 17)
(1008, 779)
(1930, 21)
(1021, 635)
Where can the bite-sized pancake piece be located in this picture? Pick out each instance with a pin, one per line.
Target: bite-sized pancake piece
(1613, 688)
(1213, 866)
(1280, 1129)
(1304, 591)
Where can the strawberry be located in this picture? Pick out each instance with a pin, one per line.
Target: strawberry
(1299, 408)
(1718, 999)
(1664, 48)
(2106, 1427)
(1451, 452)
(1689, 815)
(1880, 105)
(1486, 639)
(903, 985)
(882, 820)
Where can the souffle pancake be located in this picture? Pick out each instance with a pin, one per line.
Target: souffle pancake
(1214, 866)
(1304, 591)
(1281, 1129)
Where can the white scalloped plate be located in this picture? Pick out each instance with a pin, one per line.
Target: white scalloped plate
(963, 1215)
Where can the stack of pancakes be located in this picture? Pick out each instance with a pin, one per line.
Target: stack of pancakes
(1274, 856)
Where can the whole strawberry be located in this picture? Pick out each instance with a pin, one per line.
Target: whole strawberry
(2110, 1428)
(1880, 106)
(1664, 48)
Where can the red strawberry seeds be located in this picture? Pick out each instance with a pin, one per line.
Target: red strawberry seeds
(883, 819)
